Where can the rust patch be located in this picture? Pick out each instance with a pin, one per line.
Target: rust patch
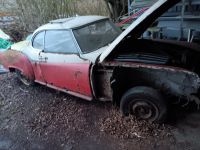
(9, 57)
(77, 74)
(17, 60)
(102, 82)
(169, 80)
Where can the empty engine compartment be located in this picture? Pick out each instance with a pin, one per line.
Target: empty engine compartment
(160, 52)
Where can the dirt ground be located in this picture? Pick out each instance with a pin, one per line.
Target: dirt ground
(39, 118)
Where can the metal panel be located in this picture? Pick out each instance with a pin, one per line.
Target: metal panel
(66, 71)
(17, 60)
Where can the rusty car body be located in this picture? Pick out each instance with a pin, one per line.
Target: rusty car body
(92, 59)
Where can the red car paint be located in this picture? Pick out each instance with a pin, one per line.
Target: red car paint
(17, 60)
(67, 76)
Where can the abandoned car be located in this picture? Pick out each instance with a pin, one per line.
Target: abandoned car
(89, 57)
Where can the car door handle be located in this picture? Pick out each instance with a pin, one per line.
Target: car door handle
(43, 59)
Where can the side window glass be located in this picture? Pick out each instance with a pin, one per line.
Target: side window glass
(38, 41)
(59, 41)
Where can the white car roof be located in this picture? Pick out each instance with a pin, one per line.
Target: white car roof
(70, 23)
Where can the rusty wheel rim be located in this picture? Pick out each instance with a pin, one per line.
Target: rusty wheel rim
(144, 110)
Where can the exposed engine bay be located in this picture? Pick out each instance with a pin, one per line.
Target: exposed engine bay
(168, 66)
(160, 52)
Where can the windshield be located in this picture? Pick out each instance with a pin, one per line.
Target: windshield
(96, 35)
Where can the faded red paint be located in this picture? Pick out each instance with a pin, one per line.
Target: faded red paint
(17, 60)
(70, 76)
(38, 73)
(73, 77)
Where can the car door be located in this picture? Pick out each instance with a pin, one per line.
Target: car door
(33, 51)
(61, 65)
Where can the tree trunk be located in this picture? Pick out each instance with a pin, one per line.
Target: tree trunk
(117, 8)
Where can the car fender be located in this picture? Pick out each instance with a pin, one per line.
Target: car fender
(12, 59)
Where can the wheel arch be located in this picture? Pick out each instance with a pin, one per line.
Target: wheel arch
(16, 60)
(168, 81)
(123, 82)
(25, 68)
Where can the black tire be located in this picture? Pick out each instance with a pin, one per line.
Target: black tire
(145, 103)
(24, 79)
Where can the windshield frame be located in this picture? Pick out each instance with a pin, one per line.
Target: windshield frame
(102, 20)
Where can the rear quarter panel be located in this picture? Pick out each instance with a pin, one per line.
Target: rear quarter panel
(12, 59)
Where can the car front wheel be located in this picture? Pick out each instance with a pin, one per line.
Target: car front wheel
(145, 103)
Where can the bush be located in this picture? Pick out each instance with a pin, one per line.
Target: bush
(33, 13)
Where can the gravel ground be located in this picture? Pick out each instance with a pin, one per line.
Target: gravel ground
(39, 118)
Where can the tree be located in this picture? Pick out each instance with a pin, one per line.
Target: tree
(117, 8)
(33, 13)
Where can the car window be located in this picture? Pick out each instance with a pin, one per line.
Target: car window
(59, 41)
(38, 41)
(96, 35)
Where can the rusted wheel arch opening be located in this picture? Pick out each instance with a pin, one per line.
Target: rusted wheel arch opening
(169, 82)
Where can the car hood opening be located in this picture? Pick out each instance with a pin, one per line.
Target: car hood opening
(138, 27)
